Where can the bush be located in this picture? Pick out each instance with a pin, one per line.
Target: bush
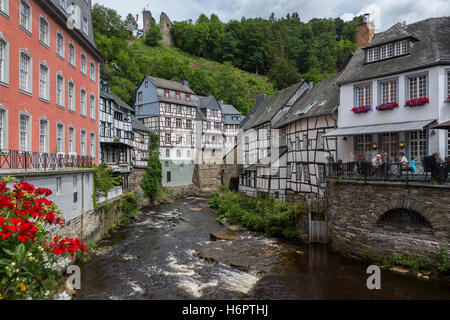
(273, 217)
(153, 35)
(30, 262)
(104, 181)
(151, 183)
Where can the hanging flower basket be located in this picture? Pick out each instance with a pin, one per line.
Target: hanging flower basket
(360, 109)
(387, 106)
(416, 102)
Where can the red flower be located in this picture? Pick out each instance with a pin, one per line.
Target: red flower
(6, 202)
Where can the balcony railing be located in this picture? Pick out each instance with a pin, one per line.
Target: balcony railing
(13, 159)
(389, 171)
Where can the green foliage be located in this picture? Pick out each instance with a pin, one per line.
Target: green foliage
(151, 183)
(443, 263)
(104, 181)
(130, 24)
(153, 35)
(273, 217)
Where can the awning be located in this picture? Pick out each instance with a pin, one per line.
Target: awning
(444, 126)
(380, 128)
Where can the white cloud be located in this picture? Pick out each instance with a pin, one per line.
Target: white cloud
(385, 12)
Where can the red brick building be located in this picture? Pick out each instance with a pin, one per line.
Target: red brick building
(49, 81)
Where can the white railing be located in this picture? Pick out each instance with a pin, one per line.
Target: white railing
(115, 192)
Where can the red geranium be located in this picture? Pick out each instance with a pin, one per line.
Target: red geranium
(416, 102)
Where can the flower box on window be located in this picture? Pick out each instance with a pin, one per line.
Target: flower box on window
(360, 109)
(416, 102)
(387, 106)
(448, 99)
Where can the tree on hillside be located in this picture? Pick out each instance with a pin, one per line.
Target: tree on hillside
(283, 73)
(153, 35)
(151, 183)
(130, 24)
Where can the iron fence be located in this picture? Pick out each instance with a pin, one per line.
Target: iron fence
(14, 159)
(388, 171)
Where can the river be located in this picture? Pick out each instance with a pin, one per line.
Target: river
(168, 254)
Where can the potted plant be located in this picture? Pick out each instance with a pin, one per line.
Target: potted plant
(360, 109)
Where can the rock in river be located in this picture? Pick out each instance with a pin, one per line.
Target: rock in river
(224, 236)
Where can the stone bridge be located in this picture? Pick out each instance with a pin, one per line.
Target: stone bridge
(386, 218)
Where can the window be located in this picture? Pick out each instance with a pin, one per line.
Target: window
(167, 94)
(25, 77)
(298, 171)
(306, 176)
(58, 185)
(390, 144)
(178, 96)
(118, 115)
(169, 176)
(168, 122)
(92, 72)
(102, 128)
(60, 44)
(71, 96)
(178, 153)
(168, 153)
(448, 85)
(305, 141)
(146, 84)
(167, 108)
(92, 145)
(92, 106)
(321, 177)
(75, 188)
(188, 97)
(363, 144)
(44, 31)
(363, 95)
(24, 133)
(388, 91)
(373, 54)
(83, 102)
(168, 138)
(118, 133)
(188, 124)
(140, 109)
(178, 123)
(417, 86)
(83, 143)
(83, 67)
(72, 54)
(59, 138)
(418, 145)
(85, 26)
(178, 109)
(44, 82)
(60, 90)
(3, 129)
(71, 140)
(386, 51)
(401, 47)
(320, 140)
(4, 61)
(4, 7)
(25, 15)
(43, 136)
(108, 130)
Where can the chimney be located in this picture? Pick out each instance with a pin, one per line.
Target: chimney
(185, 83)
(365, 31)
(260, 98)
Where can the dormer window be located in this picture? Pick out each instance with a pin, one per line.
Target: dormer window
(178, 96)
(188, 97)
(167, 94)
(373, 54)
(386, 51)
(401, 47)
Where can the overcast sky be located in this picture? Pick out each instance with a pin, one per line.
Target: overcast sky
(385, 13)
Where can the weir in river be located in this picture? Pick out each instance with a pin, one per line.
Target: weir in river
(168, 254)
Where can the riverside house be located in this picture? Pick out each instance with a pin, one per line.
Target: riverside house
(396, 87)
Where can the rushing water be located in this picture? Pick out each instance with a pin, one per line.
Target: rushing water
(168, 255)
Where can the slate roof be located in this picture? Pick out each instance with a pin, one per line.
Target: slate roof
(138, 125)
(110, 95)
(229, 109)
(322, 99)
(208, 102)
(271, 106)
(432, 47)
(170, 84)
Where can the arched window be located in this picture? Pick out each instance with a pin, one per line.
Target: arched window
(402, 217)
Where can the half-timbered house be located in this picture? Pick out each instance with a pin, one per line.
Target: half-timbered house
(141, 138)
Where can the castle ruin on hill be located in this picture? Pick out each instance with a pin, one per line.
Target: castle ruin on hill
(165, 26)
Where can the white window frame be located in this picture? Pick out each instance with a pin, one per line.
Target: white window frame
(62, 137)
(71, 105)
(71, 140)
(4, 9)
(83, 66)
(386, 51)
(92, 145)
(62, 52)
(92, 108)
(29, 19)
(401, 48)
(83, 142)
(29, 79)
(390, 86)
(44, 148)
(83, 102)
(4, 71)
(3, 128)
(418, 91)
(92, 71)
(365, 95)
(85, 25)
(60, 102)
(373, 54)
(44, 93)
(27, 143)
(46, 40)
(72, 59)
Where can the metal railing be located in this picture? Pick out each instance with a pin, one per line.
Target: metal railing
(14, 159)
(388, 171)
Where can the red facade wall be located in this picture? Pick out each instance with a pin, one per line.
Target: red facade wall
(16, 101)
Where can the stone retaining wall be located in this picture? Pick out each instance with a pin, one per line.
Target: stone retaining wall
(354, 210)
(207, 177)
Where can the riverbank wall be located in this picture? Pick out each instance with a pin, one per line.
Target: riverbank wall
(388, 218)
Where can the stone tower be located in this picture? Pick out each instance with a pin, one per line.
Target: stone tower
(147, 19)
(165, 26)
